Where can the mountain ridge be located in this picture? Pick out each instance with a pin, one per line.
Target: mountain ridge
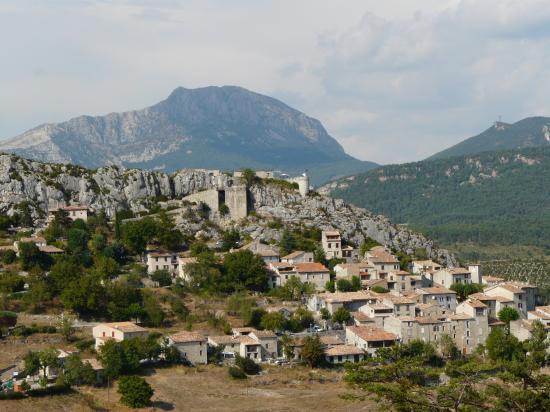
(528, 132)
(225, 127)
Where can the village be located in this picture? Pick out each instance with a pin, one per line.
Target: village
(329, 305)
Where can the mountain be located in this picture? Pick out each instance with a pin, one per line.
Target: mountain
(529, 132)
(31, 188)
(212, 127)
(491, 198)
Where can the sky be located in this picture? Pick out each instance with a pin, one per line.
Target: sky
(393, 81)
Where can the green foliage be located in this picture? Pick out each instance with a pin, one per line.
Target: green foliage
(32, 363)
(312, 351)
(463, 290)
(135, 391)
(293, 289)
(508, 314)
(8, 257)
(379, 289)
(502, 346)
(249, 177)
(236, 373)
(330, 286)
(30, 256)
(247, 365)
(273, 321)
(7, 319)
(224, 209)
(230, 240)
(162, 276)
(10, 282)
(153, 310)
(341, 315)
(325, 314)
(458, 200)
(76, 372)
(244, 269)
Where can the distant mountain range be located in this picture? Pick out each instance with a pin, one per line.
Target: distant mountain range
(529, 132)
(212, 127)
(490, 198)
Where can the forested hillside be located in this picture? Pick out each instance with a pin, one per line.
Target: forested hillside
(493, 198)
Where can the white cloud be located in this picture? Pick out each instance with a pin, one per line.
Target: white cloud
(393, 81)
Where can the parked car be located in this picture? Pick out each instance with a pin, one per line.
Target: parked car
(318, 328)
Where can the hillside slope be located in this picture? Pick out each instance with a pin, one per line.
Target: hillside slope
(529, 132)
(212, 127)
(490, 198)
(36, 187)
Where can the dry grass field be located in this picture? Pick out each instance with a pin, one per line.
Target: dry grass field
(210, 388)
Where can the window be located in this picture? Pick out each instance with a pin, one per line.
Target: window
(112, 334)
(330, 245)
(200, 353)
(103, 334)
(267, 345)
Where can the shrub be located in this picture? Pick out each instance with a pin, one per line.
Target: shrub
(236, 373)
(135, 391)
(247, 365)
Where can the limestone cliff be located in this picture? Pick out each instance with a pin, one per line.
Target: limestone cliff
(46, 186)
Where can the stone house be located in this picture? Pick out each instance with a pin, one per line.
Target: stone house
(191, 345)
(315, 273)
(331, 242)
(352, 301)
(442, 296)
(160, 260)
(446, 277)
(420, 267)
(520, 296)
(344, 353)
(298, 256)
(369, 338)
(118, 331)
(74, 212)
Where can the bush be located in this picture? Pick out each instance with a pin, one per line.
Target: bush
(8, 257)
(11, 395)
(247, 365)
(135, 391)
(236, 373)
(379, 289)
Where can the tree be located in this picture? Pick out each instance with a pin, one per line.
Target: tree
(312, 351)
(105, 268)
(230, 240)
(31, 256)
(287, 243)
(137, 233)
(167, 235)
(162, 276)
(341, 315)
(344, 285)
(246, 269)
(135, 391)
(325, 314)
(155, 314)
(77, 372)
(508, 314)
(32, 363)
(111, 356)
(248, 177)
(303, 316)
(355, 283)
(330, 286)
(48, 358)
(8, 257)
(273, 321)
(77, 241)
(448, 347)
(502, 346)
(86, 296)
(65, 326)
(288, 347)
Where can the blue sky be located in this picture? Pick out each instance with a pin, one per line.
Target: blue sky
(392, 81)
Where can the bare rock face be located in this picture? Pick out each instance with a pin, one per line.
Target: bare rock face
(46, 186)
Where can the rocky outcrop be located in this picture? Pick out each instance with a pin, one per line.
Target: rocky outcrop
(47, 186)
